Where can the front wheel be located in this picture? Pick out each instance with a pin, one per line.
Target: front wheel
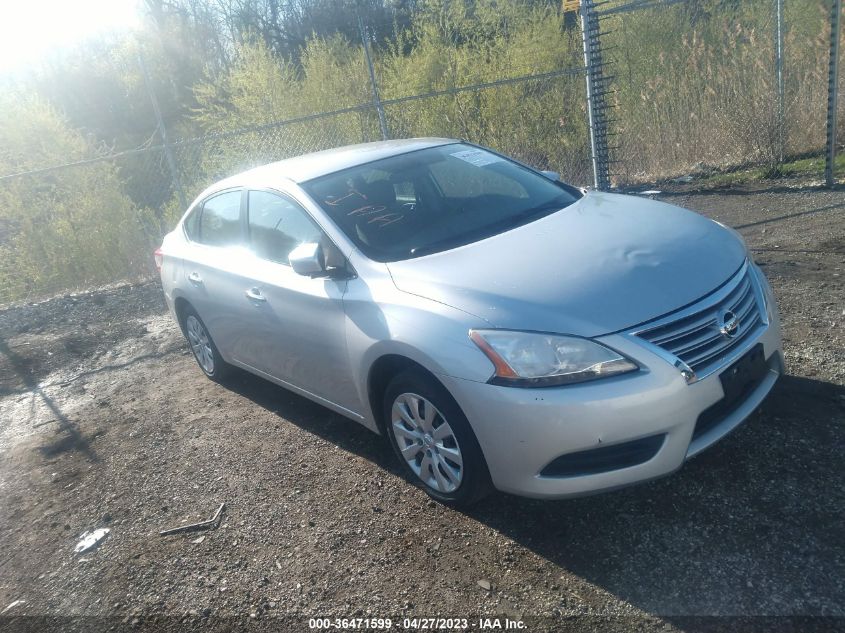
(433, 440)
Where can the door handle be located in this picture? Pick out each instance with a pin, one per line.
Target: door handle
(255, 295)
(195, 278)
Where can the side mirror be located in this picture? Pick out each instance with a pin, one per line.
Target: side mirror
(307, 259)
(551, 175)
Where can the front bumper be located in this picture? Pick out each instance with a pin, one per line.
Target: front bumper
(522, 431)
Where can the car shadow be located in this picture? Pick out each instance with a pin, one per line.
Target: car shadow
(315, 418)
(752, 525)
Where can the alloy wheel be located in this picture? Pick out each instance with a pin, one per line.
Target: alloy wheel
(200, 343)
(427, 442)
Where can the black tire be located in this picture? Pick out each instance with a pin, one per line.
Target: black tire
(219, 370)
(475, 478)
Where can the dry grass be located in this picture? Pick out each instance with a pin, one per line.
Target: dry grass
(699, 89)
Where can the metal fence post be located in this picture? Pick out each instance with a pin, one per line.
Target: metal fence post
(832, 91)
(376, 101)
(168, 153)
(597, 85)
(779, 75)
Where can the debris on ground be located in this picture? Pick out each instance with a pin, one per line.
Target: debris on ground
(13, 605)
(90, 540)
(202, 525)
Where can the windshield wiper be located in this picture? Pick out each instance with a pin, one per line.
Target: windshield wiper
(440, 245)
(527, 216)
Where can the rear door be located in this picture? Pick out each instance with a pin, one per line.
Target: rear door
(302, 322)
(214, 267)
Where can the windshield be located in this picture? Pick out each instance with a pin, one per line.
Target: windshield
(434, 199)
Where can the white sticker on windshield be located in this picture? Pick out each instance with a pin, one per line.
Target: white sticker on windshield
(477, 157)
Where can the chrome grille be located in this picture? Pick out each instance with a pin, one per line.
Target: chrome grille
(696, 337)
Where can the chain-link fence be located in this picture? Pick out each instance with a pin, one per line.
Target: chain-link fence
(98, 220)
(693, 87)
(703, 87)
(115, 208)
(550, 132)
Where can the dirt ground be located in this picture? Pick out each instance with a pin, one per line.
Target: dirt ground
(105, 421)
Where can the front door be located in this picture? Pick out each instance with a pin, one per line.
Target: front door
(301, 339)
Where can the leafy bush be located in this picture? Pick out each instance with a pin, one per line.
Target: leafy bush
(65, 227)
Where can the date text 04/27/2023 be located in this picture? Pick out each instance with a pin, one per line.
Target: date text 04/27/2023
(418, 624)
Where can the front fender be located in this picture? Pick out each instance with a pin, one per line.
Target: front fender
(382, 320)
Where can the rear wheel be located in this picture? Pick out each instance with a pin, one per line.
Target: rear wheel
(205, 351)
(433, 440)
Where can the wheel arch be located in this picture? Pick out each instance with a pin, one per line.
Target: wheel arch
(380, 375)
(381, 372)
(180, 306)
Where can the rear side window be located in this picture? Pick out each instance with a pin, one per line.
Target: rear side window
(277, 225)
(219, 223)
(192, 224)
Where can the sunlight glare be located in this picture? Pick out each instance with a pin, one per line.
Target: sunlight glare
(29, 30)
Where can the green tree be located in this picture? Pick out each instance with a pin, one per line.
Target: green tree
(260, 88)
(61, 228)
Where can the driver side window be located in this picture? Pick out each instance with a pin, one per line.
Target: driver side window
(277, 225)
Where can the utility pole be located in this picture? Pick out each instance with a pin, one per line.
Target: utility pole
(376, 101)
(162, 130)
(832, 91)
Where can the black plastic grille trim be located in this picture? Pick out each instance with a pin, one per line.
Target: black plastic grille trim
(605, 459)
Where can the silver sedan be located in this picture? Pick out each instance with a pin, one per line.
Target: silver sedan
(503, 329)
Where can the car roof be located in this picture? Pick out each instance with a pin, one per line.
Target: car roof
(308, 166)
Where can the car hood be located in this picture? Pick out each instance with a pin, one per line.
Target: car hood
(603, 264)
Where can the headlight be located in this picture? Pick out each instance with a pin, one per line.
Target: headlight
(526, 359)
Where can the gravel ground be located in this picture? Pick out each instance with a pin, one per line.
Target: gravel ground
(105, 421)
